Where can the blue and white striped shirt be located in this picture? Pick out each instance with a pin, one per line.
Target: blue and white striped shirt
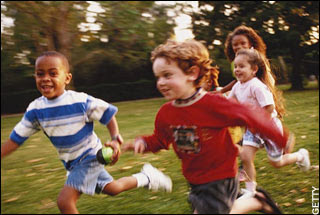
(68, 123)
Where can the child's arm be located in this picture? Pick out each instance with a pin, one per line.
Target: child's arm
(228, 87)
(269, 108)
(8, 147)
(116, 139)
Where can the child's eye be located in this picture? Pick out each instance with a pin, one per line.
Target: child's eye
(167, 75)
(53, 74)
(39, 74)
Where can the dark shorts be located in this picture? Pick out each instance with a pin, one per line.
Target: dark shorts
(216, 197)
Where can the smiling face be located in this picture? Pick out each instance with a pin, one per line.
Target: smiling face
(243, 70)
(240, 42)
(51, 76)
(172, 82)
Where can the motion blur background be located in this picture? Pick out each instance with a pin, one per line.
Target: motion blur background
(109, 43)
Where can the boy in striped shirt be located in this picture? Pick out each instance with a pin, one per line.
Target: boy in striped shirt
(66, 117)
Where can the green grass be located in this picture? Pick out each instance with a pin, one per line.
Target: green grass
(32, 177)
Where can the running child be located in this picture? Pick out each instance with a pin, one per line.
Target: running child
(66, 117)
(242, 37)
(196, 122)
(255, 88)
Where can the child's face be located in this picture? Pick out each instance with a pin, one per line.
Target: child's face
(51, 76)
(240, 42)
(243, 70)
(172, 82)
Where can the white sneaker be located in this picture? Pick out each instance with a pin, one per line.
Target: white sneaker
(304, 164)
(157, 179)
(246, 194)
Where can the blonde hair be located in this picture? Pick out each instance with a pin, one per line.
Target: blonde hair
(264, 73)
(187, 54)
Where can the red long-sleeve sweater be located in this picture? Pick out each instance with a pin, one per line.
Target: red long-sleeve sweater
(200, 129)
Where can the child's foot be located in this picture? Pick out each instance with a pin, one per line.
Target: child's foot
(269, 206)
(156, 178)
(304, 164)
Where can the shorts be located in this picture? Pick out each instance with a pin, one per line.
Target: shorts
(88, 176)
(215, 197)
(274, 152)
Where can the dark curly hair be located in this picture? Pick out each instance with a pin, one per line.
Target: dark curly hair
(254, 39)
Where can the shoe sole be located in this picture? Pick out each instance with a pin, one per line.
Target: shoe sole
(268, 200)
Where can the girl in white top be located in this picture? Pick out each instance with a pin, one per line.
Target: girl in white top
(255, 86)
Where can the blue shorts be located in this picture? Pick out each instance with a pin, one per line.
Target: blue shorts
(88, 176)
(254, 140)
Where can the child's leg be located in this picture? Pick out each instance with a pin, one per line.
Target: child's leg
(261, 202)
(67, 200)
(247, 156)
(285, 160)
(149, 176)
(300, 157)
(120, 185)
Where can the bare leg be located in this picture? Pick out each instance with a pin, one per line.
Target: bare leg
(67, 200)
(120, 185)
(247, 156)
(244, 206)
(285, 160)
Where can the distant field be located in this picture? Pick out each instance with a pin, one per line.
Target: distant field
(32, 177)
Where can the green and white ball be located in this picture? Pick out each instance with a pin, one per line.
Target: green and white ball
(104, 155)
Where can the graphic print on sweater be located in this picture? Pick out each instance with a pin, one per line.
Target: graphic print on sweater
(186, 138)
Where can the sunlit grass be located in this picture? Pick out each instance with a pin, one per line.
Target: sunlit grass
(32, 177)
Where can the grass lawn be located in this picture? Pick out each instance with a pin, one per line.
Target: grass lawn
(32, 177)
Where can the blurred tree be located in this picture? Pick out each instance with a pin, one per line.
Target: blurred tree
(108, 43)
(120, 50)
(286, 26)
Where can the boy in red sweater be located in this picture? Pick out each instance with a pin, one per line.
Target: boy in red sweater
(196, 124)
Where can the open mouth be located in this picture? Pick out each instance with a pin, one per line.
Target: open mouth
(46, 88)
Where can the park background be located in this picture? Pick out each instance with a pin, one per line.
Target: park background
(109, 50)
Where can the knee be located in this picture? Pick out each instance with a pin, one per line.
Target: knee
(276, 164)
(64, 204)
(113, 189)
(245, 158)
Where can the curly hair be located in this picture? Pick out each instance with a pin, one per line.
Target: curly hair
(264, 73)
(187, 54)
(255, 40)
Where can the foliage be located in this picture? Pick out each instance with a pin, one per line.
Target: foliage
(117, 51)
(286, 27)
(32, 177)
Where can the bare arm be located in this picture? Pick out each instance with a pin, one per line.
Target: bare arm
(228, 87)
(116, 139)
(8, 147)
(269, 108)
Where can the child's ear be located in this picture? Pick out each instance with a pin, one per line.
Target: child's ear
(194, 73)
(255, 69)
(68, 78)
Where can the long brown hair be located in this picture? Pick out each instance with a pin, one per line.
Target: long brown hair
(187, 54)
(264, 73)
(255, 40)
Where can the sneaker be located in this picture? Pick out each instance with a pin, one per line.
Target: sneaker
(304, 164)
(246, 194)
(157, 179)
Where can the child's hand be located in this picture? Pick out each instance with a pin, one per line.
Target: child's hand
(127, 147)
(139, 146)
(116, 150)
